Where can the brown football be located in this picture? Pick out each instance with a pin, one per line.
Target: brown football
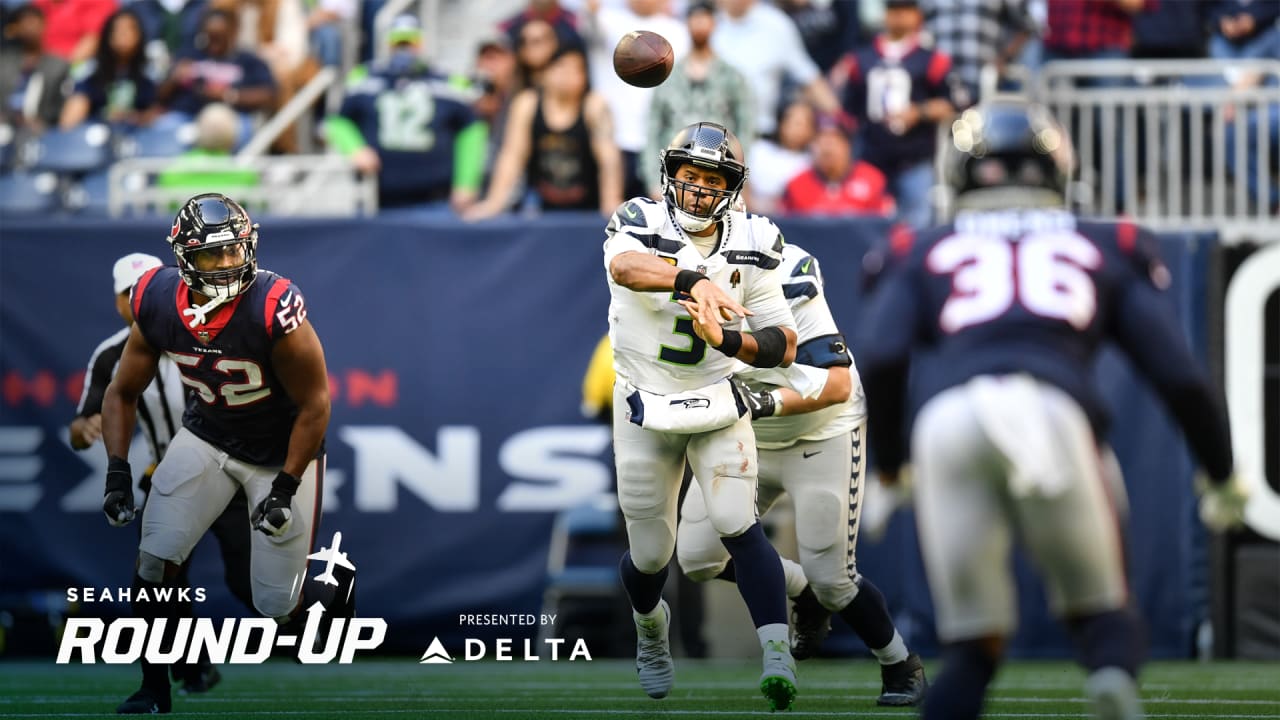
(643, 58)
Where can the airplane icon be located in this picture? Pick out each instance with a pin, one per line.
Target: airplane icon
(331, 556)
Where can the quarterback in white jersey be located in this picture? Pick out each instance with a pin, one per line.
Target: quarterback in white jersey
(811, 447)
(684, 275)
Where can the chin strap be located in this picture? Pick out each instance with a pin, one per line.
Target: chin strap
(200, 313)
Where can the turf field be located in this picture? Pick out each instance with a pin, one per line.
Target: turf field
(607, 689)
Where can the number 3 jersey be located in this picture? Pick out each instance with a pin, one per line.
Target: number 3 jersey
(239, 404)
(654, 344)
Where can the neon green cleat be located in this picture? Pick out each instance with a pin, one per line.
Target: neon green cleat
(653, 653)
(778, 681)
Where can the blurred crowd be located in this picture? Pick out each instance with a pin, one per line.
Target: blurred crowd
(839, 101)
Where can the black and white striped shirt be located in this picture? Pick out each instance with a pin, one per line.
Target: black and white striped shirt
(161, 405)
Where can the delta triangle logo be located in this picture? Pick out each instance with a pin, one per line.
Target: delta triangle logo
(436, 654)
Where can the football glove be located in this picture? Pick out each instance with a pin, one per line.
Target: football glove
(117, 502)
(1222, 504)
(761, 404)
(274, 513)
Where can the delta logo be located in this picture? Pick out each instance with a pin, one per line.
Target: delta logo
(507, 650)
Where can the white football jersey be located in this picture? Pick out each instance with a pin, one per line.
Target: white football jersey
(802, 286)
(654, 345)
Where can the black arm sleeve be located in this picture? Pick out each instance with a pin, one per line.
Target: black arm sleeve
(886, 389)
(1148, 332)
(886, 336)
(771, 348)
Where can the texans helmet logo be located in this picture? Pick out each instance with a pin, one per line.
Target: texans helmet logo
(173, 231)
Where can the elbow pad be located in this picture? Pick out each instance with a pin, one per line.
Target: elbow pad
(771, 347)
(825, 351)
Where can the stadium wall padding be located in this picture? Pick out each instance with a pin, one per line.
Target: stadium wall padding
(456, 354)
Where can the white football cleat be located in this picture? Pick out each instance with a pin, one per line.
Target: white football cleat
(1113, 694)
(653, 652)
(778, 681)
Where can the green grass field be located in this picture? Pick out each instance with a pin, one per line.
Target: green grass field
(390, 688)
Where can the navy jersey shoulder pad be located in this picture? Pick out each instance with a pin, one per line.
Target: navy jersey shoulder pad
(1136, 247)
(283, 307)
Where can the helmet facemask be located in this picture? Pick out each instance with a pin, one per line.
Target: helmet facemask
(213, 223)
(709, 147)
(219, 283)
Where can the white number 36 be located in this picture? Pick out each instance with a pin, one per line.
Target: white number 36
(1046, 273)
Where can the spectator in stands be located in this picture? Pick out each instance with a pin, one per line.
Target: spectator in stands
(208, 166)
(495, 77)
(702, 86)
(32, 81)
(117, 89)
(836, 184)
(561, 138)
(412, 126)
(765, 46)
(276, 31)
(563, 22)
(779, 157)
(218, 72)
(1097, 30)
(536, 43)
(979, 33)
(828, 29)
(1172, 30)
(1244, 29)
(900, 88)
(74, 26)
(171, 27)
(325, 22)
(602, 28)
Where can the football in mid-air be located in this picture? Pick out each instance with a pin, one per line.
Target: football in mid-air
(643, 58)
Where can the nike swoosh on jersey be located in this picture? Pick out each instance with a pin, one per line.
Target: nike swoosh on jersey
(811, 454)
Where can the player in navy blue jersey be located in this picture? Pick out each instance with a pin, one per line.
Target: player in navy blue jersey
(248, 354)
(413, 126)
(997, 317)
(900, 87)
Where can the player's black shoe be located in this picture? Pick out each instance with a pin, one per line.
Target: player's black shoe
(903, 684)
(201, 680)
(810, 625)
(146, 702)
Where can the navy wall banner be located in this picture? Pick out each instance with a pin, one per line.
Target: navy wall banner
(456, 355)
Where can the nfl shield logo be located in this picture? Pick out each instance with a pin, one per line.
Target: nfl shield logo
(702, 269)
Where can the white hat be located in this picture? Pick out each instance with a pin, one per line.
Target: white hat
(131, 267)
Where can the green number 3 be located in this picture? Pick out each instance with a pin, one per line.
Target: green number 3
(691, 355)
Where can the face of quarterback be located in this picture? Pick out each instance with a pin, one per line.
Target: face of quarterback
(699, 203)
